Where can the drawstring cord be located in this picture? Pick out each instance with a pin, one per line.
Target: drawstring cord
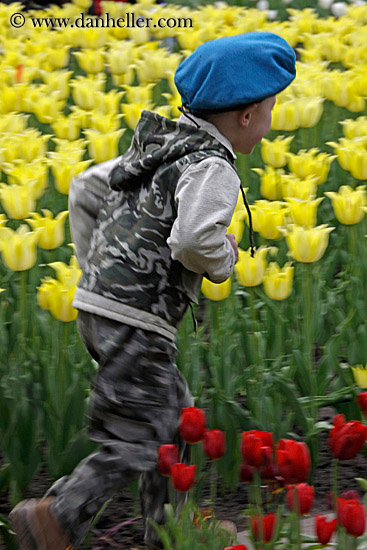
(185, 109)
(252, 241)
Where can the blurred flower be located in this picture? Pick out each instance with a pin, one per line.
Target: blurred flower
(250, 271)
(307, 244)
(257, 448)
(346, 439)
(107, 103)
(84, 89)
(216, 291)
(236, 547)
(246, 473)
(295, 187)
(105, 123)
(351, 516)
(278, 282)
(58, 81)
(268, 217)
(270, 182)
(102, 147)
(183, 476)
(167, 455)
(17, 200)
(139, 94)
(300, 498)
(285, 115)
(214, 444)
(263, 527)
(274, 152)
(64, 172)
(325, 528)
(133, 112)
(56, 295)
(18, 248)
(354, 128)
(51, 231)
(293, 459)
(348, 203)
(236, 226)
(360, 375)
(192, 424)
(67, 127)
(362, 402)
(91, 61)
(310, 110)
(309, 163)
(339, 9)
(303, 212)
(119, 58)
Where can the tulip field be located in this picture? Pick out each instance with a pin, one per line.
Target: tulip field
(285, 336)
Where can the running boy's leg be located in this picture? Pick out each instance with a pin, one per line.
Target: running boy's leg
(135, 406)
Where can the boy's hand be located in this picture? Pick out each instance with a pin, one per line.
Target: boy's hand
(234, 244)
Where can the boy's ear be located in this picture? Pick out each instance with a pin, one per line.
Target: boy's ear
(245, 115)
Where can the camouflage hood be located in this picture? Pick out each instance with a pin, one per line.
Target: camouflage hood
(157, 142)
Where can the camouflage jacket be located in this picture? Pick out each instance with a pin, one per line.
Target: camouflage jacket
(129, 273)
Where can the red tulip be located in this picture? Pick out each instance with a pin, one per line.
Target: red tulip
(167, 455)
(325, 528)
(300, 498)
(346, 439)
(246, 473)
(192, 424)
(257, 448)
(293, 460)
(362, 402)
(183, 476)
(352, 516)
(214, 443)
(236, 547)
(265, 532)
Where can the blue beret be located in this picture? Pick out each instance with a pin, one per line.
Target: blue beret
(235, 70)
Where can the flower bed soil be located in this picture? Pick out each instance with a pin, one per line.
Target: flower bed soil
(228, 506)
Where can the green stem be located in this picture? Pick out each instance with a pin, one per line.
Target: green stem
(61, 364)
(254, 327)
(22, 327)
(213, 484)
(308, 338)
(334, 481)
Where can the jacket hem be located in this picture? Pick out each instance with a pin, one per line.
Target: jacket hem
(91, 302)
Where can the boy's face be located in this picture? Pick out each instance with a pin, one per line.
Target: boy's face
(255, 122)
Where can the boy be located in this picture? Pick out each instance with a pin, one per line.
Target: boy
(147, 226)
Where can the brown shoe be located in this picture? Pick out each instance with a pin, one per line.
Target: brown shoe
(36, 527)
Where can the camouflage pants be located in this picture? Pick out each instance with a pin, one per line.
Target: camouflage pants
(135, 405)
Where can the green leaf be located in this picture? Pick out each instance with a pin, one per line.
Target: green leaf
(362, 482)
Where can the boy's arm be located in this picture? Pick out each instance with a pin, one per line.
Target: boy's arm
(86, 194)
(206, 197)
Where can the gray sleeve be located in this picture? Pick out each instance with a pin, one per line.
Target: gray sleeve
(206, 196)
(86, 194)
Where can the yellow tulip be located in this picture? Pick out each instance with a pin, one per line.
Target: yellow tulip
(57, 299)
(102, 147)
(133, 112)
(67, 127)
(270, 182)
(348, 203)
(66, 150)
(309, 163)
(51, 230)
(307, 244)
(354, 128)
(23, 173)
(303, 212)
(285, 115)
(250, 271)
(91, 61)
(18, 248)
(119, 58)
(268, 218)
(48, 108)
(92, 38)
(31, 145)
(358, 164)
(360, 375)
(105, 122)
(310, 111)
(58, 81)
(64, 173)
(278, 282)
(68, 275)
(17, 200)
(13, 123)
(107, 103)
(236, 226)
(84, 90)
(298, 188)
(274, 152)
(139, 94)
(57, 58)
(216, 291)
(124, 79)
